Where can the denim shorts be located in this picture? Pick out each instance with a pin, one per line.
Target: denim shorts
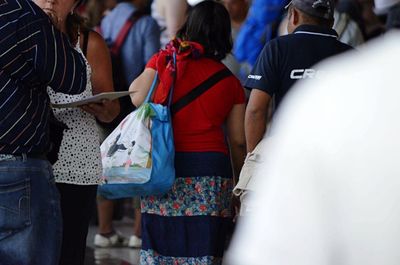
(30, 215)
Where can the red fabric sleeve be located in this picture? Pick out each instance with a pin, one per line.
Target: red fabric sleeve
(152, 62)
(240, 96)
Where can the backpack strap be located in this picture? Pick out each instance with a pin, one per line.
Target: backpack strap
(199, 90)
(123, 33)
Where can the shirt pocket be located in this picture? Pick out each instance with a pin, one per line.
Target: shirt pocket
(14, 207)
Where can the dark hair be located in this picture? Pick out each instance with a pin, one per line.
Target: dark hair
(74, 22)
(317, 20)
(313, 20)
(208, 23)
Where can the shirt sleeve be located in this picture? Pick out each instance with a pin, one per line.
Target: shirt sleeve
(239, 95)
(152, 63)
(264, 75)
(54, 59)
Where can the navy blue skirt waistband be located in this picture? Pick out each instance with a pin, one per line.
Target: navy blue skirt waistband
(193, 164)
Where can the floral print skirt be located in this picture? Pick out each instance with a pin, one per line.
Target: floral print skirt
(193, 221)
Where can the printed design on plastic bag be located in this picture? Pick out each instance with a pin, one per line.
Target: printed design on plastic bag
(129, 159)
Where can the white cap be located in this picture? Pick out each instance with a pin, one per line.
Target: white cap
(382, 6)
(194, 2)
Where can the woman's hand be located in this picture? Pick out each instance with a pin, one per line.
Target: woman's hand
(100, 110)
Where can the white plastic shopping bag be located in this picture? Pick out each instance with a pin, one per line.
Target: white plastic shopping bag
(126, 153)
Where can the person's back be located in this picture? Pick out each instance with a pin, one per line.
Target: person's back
(140, 44)
(289, 58)
(198, 126)
(33, 55)
(295, 55)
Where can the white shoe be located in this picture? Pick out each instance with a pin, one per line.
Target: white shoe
(115, 240)
(135, 242)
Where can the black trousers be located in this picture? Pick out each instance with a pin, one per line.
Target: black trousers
(77, 207)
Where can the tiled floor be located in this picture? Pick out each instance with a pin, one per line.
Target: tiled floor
(112, 256)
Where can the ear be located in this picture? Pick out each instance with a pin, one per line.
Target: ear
(295, 17)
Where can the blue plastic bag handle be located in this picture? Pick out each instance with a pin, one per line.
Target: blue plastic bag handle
(154, 84)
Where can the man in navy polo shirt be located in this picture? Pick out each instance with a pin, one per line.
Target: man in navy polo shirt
(289, 58)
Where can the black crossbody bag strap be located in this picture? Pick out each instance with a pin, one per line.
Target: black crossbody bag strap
(199, 90)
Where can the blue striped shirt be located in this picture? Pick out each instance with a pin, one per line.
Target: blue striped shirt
(33, 55)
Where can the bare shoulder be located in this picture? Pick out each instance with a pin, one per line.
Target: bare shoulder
(96, 41)
(97, 49)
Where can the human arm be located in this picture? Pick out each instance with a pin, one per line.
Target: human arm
(99, 60)
(236, 138)
(141, 86)
(256, 117)
(264, 83)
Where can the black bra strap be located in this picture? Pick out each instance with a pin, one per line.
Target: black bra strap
(85, 42)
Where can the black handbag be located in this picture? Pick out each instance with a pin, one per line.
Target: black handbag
(56, 130)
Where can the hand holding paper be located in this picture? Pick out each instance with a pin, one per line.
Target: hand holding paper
(94, 99)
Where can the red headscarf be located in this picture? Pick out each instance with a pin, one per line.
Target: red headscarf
(167, 70)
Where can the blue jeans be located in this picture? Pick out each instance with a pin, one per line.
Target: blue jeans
(30, 215)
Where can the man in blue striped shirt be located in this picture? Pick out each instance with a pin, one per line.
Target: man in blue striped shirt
(33, 55)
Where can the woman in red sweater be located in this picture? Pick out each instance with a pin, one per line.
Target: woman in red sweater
(191, 223)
